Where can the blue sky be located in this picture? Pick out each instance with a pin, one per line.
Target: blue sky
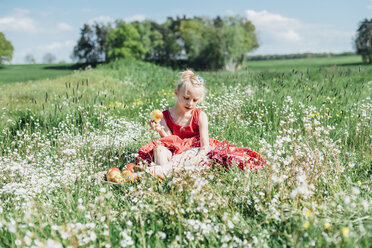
(287, 26)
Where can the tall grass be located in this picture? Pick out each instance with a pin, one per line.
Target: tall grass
(312, 125)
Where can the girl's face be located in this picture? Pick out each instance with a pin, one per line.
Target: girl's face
(187, 99)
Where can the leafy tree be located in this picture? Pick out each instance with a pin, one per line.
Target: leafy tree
(239, 38)
(144, 31)
(124, 42)
(191, 32)
(217, 43)
(212, 56)
(157, 46)
(49, 58)
(91, 47)
(363, 41)
(30, 59)
(101, 34)
(84, 50)
(6, 49)
(167, 51)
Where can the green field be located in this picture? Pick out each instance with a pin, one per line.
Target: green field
(24, 73)
(288, 64)
(310, 119)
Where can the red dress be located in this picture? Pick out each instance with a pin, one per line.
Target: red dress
(184, 138)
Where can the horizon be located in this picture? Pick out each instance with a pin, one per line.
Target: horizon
(287, 27)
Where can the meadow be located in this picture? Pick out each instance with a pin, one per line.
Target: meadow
(311, 122)
(32, 72)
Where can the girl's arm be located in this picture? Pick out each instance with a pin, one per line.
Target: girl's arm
(165, 131)
(204, 134)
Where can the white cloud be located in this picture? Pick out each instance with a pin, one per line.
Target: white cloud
(18, 21)
(57, 46)
(138, 17)
(369, 7)
(278, 34)
(64, 26)
(275, 25)
(101, 19)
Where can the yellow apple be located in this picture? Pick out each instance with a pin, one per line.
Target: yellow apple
(156, 115)
(114, 175)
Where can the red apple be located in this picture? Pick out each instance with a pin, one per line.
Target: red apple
(130, 167)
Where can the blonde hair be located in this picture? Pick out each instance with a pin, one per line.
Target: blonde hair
(190, 79)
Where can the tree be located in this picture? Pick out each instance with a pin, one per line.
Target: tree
(217, 43)
(124, 42)
(191, 32)
(6, 49)
(84, 50)
(101, 34)
(239, 38)
(144, 31)
(49, 58)
(91, 47)
(363, 41)
(30, 59)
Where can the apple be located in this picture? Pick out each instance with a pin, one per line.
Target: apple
(114, 175)
(128, 175)
(130, 167)
(156, 115)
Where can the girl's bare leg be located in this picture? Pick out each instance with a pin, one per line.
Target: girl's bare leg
(162, 157)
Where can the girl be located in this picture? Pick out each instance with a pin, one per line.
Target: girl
(184, 136)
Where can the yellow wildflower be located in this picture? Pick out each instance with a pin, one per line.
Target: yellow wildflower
(345, 231)
(138, 103)
(308, 213)
(327, 225)
(359, 182)
(306, 224)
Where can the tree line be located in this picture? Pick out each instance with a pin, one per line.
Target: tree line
(198, 42)
(297, 56)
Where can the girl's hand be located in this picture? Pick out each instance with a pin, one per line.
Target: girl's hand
(201, 155)
(204, 151)
(155, 126)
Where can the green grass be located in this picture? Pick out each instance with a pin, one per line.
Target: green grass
(23, 73)
(310, 122)
(272, 65)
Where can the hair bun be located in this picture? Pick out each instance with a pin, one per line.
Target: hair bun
(187, 75)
